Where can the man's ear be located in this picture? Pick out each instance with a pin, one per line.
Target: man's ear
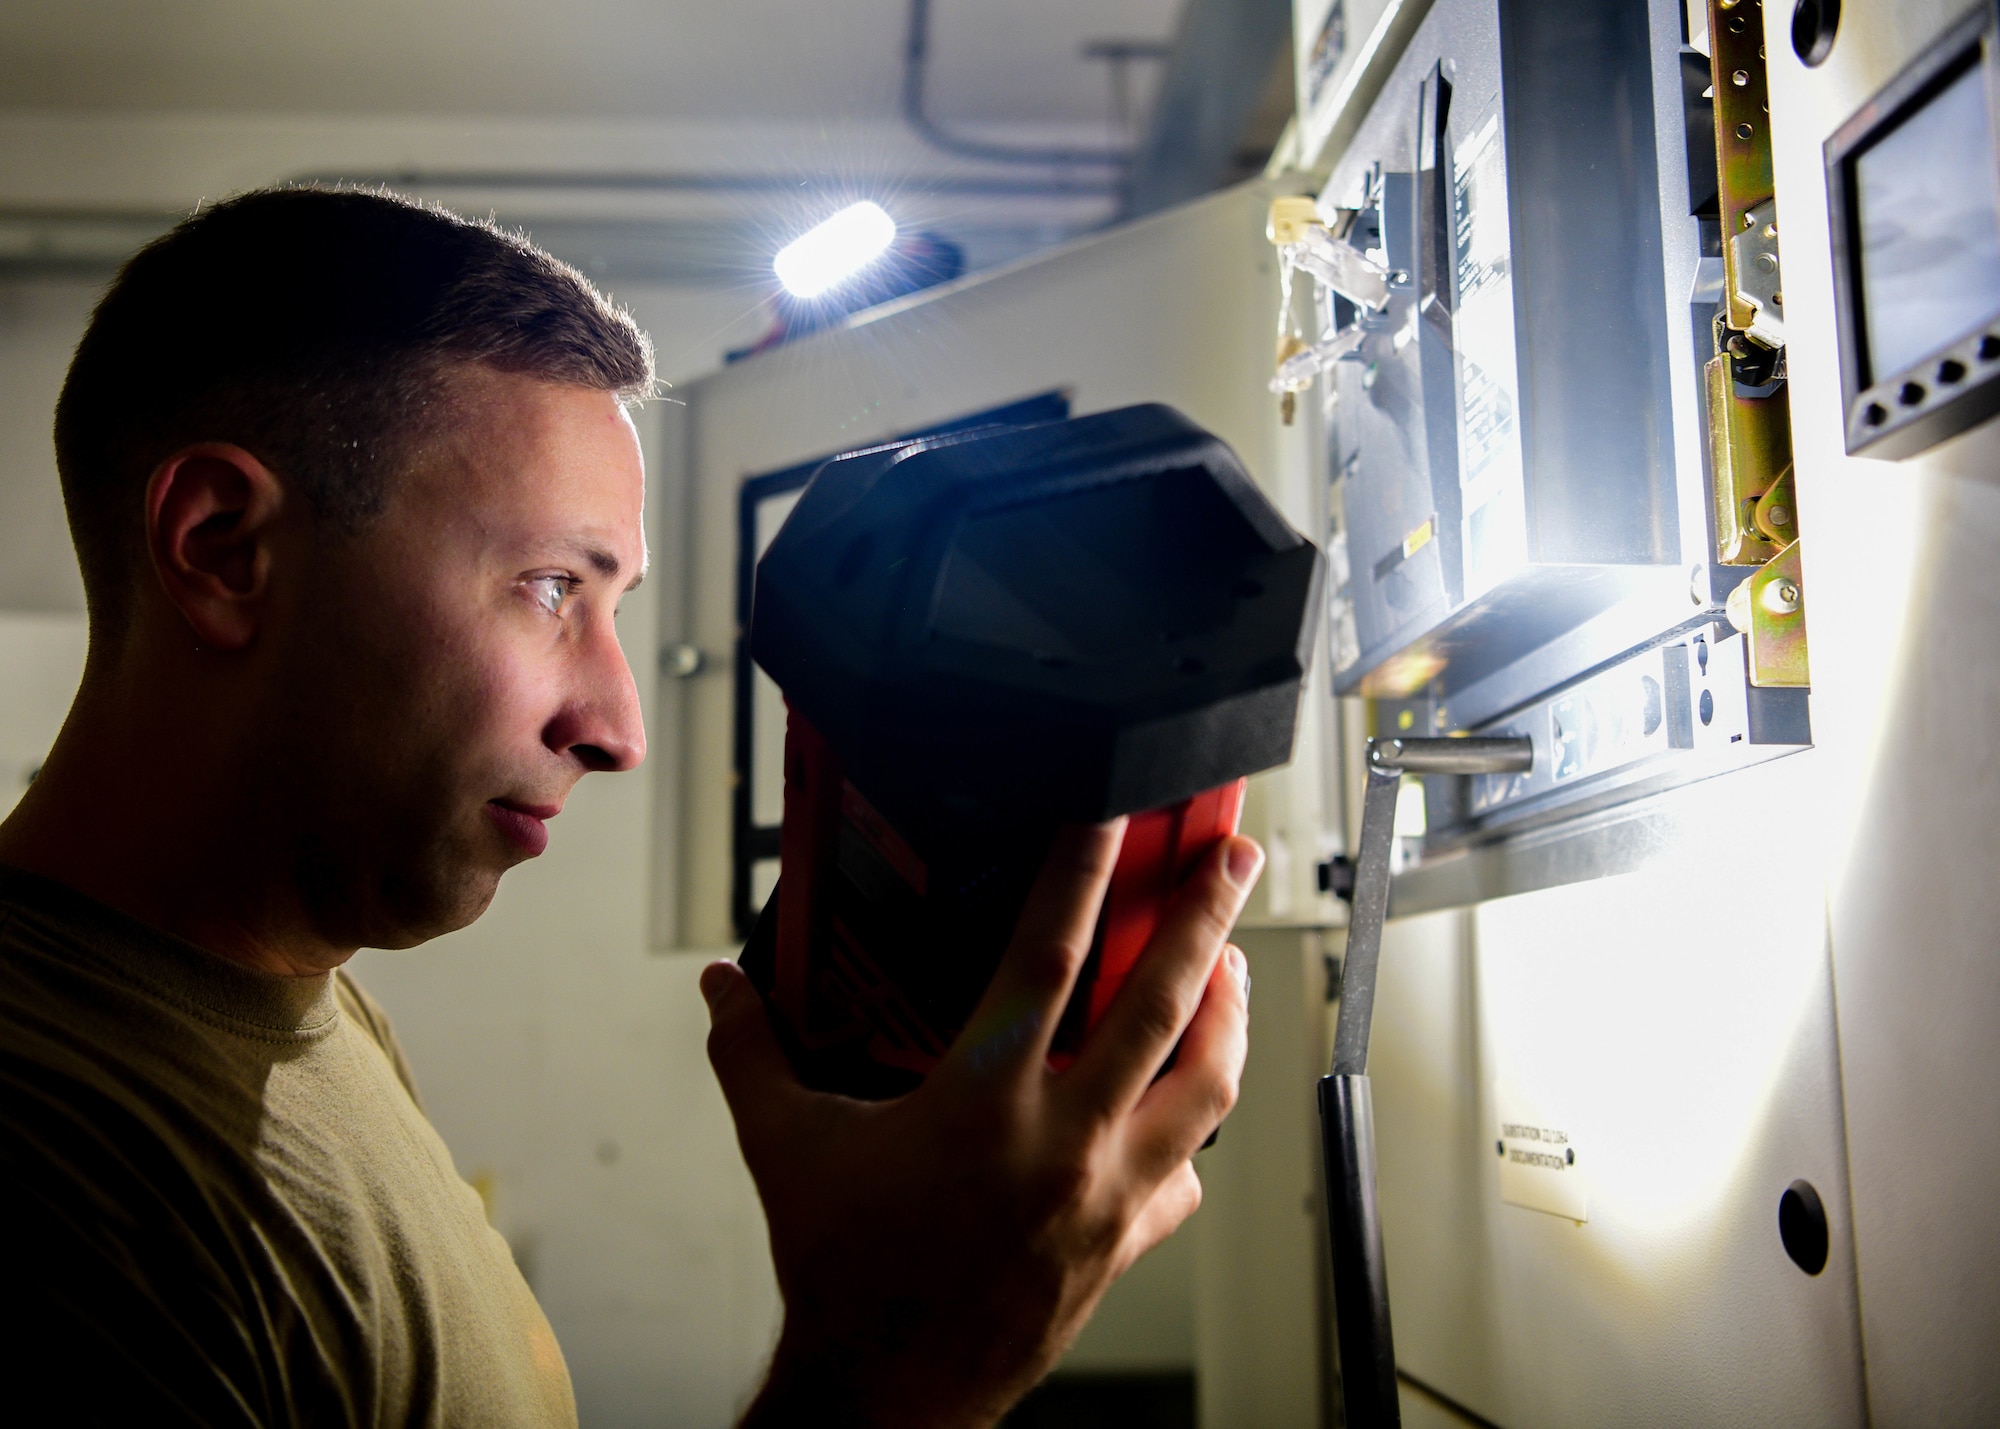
(211, 516)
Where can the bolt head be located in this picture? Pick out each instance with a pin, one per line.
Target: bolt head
(1781, 597)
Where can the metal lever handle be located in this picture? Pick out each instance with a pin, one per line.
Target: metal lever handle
(1512, 754)
(1346, 1104)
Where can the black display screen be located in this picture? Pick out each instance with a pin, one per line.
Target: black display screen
(1926, 198)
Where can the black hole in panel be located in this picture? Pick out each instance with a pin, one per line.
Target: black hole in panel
(1989, 348)
(1910, 394)
(1876, 414)
(1813, 25)
(1701, 655)
(1950, 371)
(1707, 708)
(1802, 1227)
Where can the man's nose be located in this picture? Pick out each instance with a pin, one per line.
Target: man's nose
(600, 724)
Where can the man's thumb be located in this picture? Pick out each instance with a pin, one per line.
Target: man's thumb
(756, 1078)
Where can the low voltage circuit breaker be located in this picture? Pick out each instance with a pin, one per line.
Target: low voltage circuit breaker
(1551, 367)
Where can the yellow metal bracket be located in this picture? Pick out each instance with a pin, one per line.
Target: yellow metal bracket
(1770, 610)
(1742, 150)
(1750, 453)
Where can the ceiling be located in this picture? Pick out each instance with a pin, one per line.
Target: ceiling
(991, 60)
(662, 142)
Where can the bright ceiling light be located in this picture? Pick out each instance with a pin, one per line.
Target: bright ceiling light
(835, 250)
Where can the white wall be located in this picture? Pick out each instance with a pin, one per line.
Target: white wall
(40, 321)
(41, 660)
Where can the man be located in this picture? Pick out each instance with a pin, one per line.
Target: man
(355, 495)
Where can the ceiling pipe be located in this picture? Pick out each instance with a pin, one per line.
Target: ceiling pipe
(965, 186)
(916, 58)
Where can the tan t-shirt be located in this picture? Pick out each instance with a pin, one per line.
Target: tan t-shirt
(220, 1203)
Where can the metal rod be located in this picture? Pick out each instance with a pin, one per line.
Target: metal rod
(916, 55)
(1362, 1326)
(1480, 755)
(1388, 761)
(1364, 921)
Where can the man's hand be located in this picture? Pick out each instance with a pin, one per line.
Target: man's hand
(937, 1253)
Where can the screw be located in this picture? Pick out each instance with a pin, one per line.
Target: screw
(1780, 516)
(681, 661)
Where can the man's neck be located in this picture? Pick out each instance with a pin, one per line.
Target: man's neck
(136, 813)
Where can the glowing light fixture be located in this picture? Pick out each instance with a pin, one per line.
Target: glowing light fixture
(834, 250)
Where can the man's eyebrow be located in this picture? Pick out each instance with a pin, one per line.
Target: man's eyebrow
(606, 564)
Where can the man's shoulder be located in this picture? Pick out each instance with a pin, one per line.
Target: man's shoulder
(122, 1244)
(367, 1015)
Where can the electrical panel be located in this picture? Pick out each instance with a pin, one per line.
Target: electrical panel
(1551, 368)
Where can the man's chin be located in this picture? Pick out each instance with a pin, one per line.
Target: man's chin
(416, 911)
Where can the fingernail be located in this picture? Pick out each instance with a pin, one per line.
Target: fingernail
(714, 985)
(1241, 968)
(1245, 858)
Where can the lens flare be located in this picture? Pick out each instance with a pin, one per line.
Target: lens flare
(835, 250)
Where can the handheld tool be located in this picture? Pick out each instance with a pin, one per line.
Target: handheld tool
(981, 637)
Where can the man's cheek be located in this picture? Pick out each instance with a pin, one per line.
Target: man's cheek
(513, 695)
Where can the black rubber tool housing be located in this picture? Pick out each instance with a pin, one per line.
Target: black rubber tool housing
(1036, 625)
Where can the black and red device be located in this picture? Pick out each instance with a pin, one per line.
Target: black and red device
(984, 636)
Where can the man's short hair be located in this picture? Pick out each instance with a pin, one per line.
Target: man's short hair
(316, 328)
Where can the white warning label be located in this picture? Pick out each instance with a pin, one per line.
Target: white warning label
(1541, 1168)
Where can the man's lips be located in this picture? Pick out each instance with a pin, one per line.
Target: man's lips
(525, 824)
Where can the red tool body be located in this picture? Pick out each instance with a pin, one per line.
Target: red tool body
(833, 982)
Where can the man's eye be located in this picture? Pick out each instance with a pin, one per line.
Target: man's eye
(551, 592)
